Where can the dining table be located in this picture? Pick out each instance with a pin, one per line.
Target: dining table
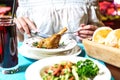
(24, 63)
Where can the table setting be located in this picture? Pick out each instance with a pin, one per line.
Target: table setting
(26, 62)
(54, 57)
(37, 53)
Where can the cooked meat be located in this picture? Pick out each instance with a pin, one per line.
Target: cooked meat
(52, 41)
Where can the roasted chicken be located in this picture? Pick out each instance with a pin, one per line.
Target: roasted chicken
(52, 42)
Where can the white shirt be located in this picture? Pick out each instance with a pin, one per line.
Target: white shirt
(52, 15)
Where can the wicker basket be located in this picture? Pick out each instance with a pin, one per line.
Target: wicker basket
(107, 54)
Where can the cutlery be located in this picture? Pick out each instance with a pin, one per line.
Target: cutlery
(70, 32)
(39, 34)
(73, 31)
(46, 35)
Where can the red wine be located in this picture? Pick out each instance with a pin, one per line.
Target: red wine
(8, 45)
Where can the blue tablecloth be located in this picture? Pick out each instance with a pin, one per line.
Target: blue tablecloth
(25, 62)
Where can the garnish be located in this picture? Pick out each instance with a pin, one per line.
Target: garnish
(35, 44)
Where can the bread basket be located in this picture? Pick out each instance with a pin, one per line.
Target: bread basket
(107, 54)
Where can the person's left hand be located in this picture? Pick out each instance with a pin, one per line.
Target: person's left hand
(86, 31)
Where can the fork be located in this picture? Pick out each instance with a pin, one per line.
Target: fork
(46, 35)
(73, 31)
(70, 32)
(39, 34)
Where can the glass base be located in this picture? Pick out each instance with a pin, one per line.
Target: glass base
(10, 70)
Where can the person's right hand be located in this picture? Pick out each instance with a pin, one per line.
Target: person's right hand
(25, 25)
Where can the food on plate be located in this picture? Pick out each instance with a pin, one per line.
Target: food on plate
(67, 70)
(113, 38)
(100, 34)
(51, 42)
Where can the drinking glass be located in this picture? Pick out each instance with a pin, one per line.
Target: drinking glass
(8, 46)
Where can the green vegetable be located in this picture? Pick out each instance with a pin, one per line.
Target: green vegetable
(62, 44)
(87, 69)
(35, 44)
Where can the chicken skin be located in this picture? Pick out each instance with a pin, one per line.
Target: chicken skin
(52, 42)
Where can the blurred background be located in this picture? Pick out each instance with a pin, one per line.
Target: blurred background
(110, 12)
(109, 9)
(6, 7)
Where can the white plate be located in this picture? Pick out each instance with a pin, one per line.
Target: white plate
(22, 50)
(33, 71)
(68, 45)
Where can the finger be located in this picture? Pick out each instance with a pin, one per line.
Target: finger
(85, 36)
(81, 38)
(30, 23)
(24, 26)
(19, 27)
(77, 33)
(90, 27)
(86, 32)
(82, 25)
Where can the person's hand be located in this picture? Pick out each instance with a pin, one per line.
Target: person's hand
(25, 25)
(86, 31)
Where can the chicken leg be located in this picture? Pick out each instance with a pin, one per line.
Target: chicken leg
(52, 42)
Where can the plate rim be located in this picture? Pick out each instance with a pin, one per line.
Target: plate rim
(25, 53)
(49, 50)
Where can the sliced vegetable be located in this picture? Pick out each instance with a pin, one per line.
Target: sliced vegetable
(82, 70)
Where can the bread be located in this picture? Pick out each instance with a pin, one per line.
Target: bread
(113, 39)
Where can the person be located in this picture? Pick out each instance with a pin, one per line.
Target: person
(50, 16)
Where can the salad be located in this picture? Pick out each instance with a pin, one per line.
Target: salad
(66, 70)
